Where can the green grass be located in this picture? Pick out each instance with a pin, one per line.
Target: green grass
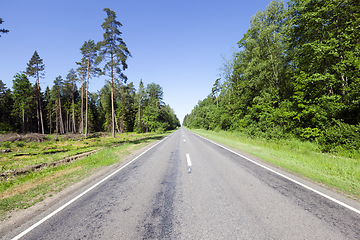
(20, 192)
(301, 158)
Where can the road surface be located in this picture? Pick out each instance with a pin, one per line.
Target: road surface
(186, 187)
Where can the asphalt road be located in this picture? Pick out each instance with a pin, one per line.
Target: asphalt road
(194, 189)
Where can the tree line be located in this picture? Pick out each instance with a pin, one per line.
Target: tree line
(296, 74)
(64, 108)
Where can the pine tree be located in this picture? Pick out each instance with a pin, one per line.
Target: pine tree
(114, 50)
(140, 95)
(47, 109)
(56, 92)
(71, 78)
(89, 52)
(82, 74)
(34, 69)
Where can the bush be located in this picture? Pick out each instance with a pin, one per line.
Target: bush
(310, 133)
(160, 130)
(340, 135)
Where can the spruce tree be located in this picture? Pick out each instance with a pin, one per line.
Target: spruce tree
(115, 52)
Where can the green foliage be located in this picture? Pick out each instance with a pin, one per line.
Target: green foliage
(35, 67)
(340, 135)
(296, 74)
(20, 144)
(7, 122)
(113, 48)
(142, 111)
(310, 133)
(3, 30)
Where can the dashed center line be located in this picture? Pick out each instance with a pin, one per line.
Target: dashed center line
(188, 162)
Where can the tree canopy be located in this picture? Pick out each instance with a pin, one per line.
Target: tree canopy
(118, 106)
(296, 74)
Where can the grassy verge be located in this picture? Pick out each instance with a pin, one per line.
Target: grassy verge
(20, 192)
(302, 158)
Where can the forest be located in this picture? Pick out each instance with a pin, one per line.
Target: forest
(296, 74)
(65, 108)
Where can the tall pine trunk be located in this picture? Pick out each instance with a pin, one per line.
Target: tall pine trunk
(62, 131)
(82, 106)
(37, 115)
(57, 118)
(87, 88)
(41, 117)
(39, 99)
(50, 123)
(112, 109)
(67, 122)
(112, 94)
(23, 119)
(139, 114)
(73, 110)
(86, 108)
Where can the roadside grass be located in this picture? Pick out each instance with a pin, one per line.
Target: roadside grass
(299, 157)
(20, 192)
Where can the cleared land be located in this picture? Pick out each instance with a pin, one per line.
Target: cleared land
(20, 191)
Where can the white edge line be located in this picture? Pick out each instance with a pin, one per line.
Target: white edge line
(286, 177)
(82, 194)
(188, 160)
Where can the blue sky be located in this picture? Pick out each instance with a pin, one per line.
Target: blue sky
(176, 44)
